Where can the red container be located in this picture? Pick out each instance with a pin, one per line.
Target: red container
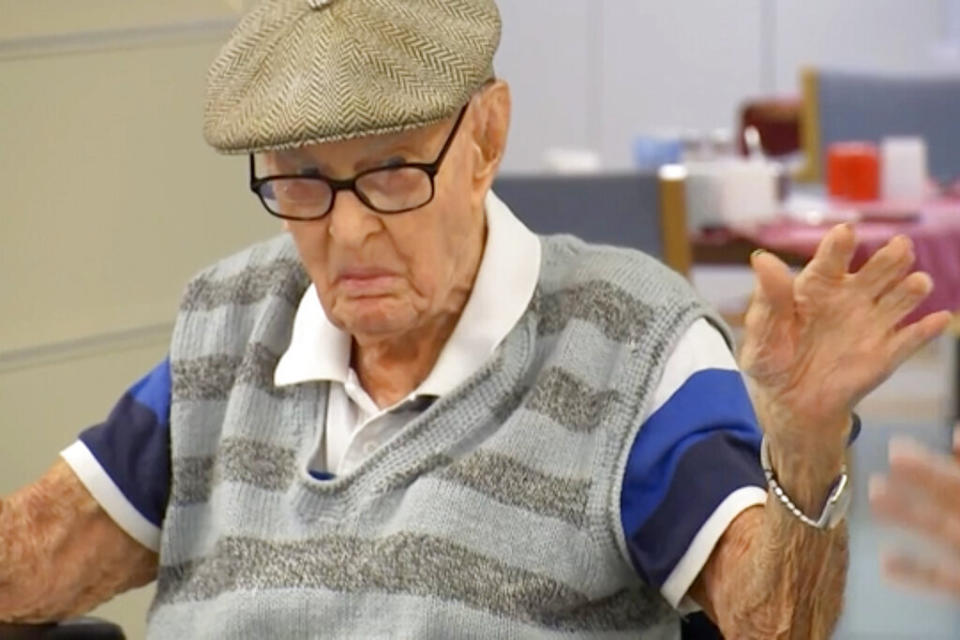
(853, 171)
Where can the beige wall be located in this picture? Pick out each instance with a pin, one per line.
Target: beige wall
(111, 197)
(110, 201)
(47, 17)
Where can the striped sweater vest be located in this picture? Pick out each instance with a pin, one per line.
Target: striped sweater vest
(493, 514)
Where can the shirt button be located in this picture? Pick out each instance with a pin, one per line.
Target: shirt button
(369, 448)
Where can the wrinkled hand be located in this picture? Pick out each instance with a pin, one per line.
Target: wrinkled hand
(816, 343)
(922, 493)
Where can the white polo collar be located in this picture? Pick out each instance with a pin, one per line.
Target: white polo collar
(503, 288)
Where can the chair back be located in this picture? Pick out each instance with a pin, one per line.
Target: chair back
(640, 210)
(847, 105)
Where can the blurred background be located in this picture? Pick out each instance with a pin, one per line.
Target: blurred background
(111, 199)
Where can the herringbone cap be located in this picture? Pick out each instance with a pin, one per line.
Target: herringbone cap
(298, 72)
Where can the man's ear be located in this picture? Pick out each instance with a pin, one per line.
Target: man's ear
(491, 123)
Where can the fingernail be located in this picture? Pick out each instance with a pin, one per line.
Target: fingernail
(903, 240)
(757, 252)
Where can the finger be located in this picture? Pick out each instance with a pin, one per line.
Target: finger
(774, 282)
(936, 476)
(895, 505)
(896, 276)
(956, 442)
(890, 503)
(911, 571)
(897, 303)
(832, 259)
(886, 267)
(907, 340)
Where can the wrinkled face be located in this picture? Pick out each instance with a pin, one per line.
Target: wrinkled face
(382, 275)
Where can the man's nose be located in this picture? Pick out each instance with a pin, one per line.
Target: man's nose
(351, 221)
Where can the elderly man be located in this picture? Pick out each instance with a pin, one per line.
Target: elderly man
(411, 417)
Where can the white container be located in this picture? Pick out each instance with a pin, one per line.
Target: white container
(731, 193)
(702, 194)
(748, 193)
(903, 168)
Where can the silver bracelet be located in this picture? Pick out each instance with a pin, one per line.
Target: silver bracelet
(835, 507)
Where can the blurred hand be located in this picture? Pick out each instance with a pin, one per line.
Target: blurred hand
(922, 493)
(815, 344)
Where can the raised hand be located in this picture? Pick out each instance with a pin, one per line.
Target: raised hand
(816, 343)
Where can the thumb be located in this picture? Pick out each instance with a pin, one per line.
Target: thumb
(774, 283)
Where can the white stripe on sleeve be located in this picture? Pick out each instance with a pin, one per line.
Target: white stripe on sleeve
(701, 347)
(693, 561)
(105, 491)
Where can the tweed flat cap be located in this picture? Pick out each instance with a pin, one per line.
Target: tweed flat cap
(298, 72)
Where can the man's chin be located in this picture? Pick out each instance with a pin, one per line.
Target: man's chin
(375, 317)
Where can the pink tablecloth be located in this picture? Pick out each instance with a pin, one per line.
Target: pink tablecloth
(935, 234)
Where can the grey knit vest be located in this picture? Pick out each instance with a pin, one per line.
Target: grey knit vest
(494, 514)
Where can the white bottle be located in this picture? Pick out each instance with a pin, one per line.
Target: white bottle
(903, 169)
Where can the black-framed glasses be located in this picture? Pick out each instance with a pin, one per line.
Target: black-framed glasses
(392, 189)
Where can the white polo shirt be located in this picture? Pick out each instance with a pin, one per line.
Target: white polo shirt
(355, 426)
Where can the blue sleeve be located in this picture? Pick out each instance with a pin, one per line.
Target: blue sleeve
(690, 455)
(133, 444)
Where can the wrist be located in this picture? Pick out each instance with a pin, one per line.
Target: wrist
(811, 434)
(808, 474)
(809, 448)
